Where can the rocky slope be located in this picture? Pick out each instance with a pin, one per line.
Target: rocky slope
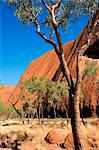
(48, 65)
(5, 92)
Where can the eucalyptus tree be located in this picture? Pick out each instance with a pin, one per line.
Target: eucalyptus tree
(41, 94)
(48, 102)
(90, 71)
(11, 98)
(57, 90)
(36, 88)
(28, 109)
(65, 96)
(58, 14)
(55, 97)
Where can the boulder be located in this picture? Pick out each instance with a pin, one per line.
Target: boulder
(28, 145)
(69, 142)
(54, 138)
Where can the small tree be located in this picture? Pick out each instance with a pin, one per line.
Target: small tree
(58, 14)
(7, 110)
(57, 91)
(13, 104)
(37, 88)
(91, 68)
(65, 96)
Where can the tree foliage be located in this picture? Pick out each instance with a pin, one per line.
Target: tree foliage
(41, 90)
(7, 110)
(90, 69)
(41, 87)
(31, 11)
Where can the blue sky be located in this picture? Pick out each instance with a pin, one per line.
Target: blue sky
(19, 45)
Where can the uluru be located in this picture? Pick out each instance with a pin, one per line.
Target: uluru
(49, 75)
(48, 65)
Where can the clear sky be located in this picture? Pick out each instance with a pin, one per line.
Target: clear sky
(19, 45)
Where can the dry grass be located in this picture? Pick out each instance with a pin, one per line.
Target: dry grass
(36, 133)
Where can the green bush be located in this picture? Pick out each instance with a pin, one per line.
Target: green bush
(6, 110)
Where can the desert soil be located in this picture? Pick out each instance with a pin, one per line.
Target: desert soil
(34, 134)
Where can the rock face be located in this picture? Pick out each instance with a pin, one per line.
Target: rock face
(48, 65)
(54, 138)
(5, 92)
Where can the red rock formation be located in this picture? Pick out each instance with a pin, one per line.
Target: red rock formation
(5, 92)
(54, 138)
(48, 65)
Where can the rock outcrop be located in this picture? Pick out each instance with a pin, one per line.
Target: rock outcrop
(54, 138)
(5, 92)
(48, 65)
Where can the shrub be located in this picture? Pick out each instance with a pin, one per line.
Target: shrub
(6, 110)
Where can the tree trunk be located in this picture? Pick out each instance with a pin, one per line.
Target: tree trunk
(42, 113)
(74, 104)
(39, 114)
(74, 93)
(17, 111)
(74, 97)
(66, 110)
(28, 115)
(55, 111)
(75, 121)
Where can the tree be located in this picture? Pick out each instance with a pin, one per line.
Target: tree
(41, 94)
(13, 105)
(64, 95)
(58, 14)
(36, 88)
(90, 71)
(55, 96)
(7, 110)
(57, 92)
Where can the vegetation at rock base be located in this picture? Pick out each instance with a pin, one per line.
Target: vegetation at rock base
(49, 94)
(7, 110)
(90, 69)
(43, 97)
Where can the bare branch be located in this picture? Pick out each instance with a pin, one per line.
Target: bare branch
(54, 7)
(47, 40)
(59, 49)
(34, 20)
(45, 4)
(79, 54)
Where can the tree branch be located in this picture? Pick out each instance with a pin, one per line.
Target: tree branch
(45, 4)
(79, 54)
(46, 39)
(51, 11)
(34, 20)
(54, 7)
(29, 11)
(59, 49)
